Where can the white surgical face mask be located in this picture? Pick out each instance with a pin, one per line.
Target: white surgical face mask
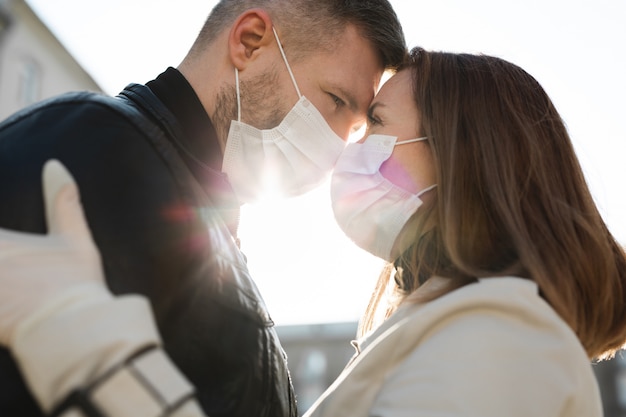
(290, 159)
(370, 209)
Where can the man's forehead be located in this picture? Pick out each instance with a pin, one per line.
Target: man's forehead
(360, 64)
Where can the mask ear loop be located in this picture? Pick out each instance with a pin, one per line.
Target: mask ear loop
(238, 95)
(411, 141)
(282, 52)
(402, 142)
(421, 193)
(293, 79)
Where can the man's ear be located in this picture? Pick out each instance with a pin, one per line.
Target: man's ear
(251, 31)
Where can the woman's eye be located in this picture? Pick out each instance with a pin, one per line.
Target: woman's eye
(372, 120)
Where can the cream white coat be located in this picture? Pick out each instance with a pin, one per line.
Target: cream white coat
(490, 349)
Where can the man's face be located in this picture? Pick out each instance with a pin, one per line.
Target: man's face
(340, 83)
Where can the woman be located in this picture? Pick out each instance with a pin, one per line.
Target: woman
(503, 279)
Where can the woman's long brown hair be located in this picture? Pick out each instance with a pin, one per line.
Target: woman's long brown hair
(511, 197)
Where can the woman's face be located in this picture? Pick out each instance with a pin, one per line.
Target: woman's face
(393, 112)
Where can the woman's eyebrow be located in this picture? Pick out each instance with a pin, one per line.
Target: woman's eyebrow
(373, 107)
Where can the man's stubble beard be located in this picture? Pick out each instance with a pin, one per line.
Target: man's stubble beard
(262, 105)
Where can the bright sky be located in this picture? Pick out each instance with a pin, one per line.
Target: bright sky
(306, 269)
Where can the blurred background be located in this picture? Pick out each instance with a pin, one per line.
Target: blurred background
(315, 281)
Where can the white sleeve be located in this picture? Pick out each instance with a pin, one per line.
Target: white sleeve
(84, 343)
(482, 363)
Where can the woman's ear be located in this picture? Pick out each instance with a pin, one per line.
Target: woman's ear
(251, 31)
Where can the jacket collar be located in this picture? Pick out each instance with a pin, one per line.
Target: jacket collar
(171, 100)
(199, 143)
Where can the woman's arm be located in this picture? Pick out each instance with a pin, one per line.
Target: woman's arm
(78, 347)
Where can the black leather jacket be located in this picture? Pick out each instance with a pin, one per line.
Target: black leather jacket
(164, 224)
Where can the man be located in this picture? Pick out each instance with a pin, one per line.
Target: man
(162, 172)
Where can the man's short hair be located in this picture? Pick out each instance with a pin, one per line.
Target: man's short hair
(309, 25)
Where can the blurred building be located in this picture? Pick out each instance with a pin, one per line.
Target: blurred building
(318, 353)
(33, 64)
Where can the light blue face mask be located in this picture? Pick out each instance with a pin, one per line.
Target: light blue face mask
(370, 209)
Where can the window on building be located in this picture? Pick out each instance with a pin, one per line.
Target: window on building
(310, 377)
(5, 19)
(29, 83)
